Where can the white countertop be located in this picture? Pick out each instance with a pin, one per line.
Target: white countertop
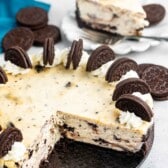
(158, 157)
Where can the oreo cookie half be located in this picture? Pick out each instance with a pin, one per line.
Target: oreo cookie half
(129, 86)
(32, 17)
(155, 13)
(134, 104)
(18, 57)
(48, 53)
(3, 76)
(7, 139)
(75, 54)
(157, 79)
(119, 68)
(99, 56)
(49, 31)
(21, 36)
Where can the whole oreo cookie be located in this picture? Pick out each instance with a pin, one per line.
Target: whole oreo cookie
(119, 68)
(75, 54)
(155, 13)
(49, 31)
(99, 56)
(18, 57)
(157, 79)
(7, 139)
(48, 54)
(142, 67)
(32, 17)
(134, 104)
(129, 86)
(21, 36)
(3, 76)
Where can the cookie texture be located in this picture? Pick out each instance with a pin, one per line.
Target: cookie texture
(129, 86)
(76, 57)
(49, 31)
(99, 56)
(20, 36)
(120, 67)
(3, 76)
(48, 53)
(142, 67)
(157, 79)
(155, 13)
(32, 17)
(7, 139)
(134, 104)
(18, 57)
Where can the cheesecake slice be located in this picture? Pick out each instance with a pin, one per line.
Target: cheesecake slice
(114, 16)
(47, 103)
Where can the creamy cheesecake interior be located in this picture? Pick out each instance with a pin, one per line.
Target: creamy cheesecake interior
(115, 16)
(57, 102)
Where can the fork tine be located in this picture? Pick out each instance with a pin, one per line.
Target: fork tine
(99, 37)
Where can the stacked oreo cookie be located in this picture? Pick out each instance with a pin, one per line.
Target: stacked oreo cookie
(33, 29)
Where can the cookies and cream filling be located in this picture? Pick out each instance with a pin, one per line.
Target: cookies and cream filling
(113, 15)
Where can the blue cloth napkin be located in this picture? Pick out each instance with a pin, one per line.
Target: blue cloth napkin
(8, 11)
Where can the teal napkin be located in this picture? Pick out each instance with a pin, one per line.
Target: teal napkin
(8, 11)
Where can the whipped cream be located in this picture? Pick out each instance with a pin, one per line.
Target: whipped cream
(16, 153)
(130, 120)
(129, 74)
(145, 97)
(14, 69)
(101, 71)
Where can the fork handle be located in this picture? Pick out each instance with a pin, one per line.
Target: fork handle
(147, 37)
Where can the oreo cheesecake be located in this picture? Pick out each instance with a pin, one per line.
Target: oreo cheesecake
(113, 16)
(70, 94)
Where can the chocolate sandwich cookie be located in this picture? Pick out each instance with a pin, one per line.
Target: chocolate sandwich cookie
(48, 53)
(134, 104)
(32, 17)
(18, 57)
(21, 36)
(76, 57)
(3, 76)
(7, 139)
(119, 68)
(49, 31)
(155, 13)
(142, 67)
(156, 77)
(75, 54)
(130, 86)
(99, 56)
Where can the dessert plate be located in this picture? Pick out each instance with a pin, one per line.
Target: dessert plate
(72, 31)
(70, 154)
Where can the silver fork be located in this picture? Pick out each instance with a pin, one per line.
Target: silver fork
(104, 38)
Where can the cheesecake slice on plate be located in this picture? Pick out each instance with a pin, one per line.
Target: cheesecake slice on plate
(114, 16)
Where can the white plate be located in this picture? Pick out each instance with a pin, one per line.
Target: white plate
(72, 31)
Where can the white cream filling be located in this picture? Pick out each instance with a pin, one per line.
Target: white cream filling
(16, 153)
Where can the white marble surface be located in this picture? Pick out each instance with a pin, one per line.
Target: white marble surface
(158, 157)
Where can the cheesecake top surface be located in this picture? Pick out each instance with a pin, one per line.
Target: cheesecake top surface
(131, 5)
(30, 99)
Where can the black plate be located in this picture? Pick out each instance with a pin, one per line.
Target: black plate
(70, 154)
